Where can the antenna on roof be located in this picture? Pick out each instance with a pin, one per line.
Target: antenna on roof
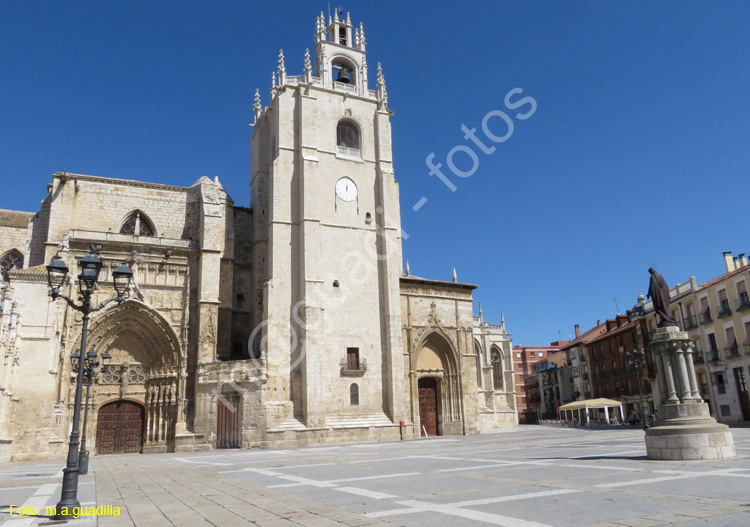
(616, 306)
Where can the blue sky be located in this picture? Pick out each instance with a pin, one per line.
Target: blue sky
(637, 153)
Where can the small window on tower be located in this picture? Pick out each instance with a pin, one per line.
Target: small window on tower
(342, 36)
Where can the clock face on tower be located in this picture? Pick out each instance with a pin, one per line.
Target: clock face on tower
(346, 189)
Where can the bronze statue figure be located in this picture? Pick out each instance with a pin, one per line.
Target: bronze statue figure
(658, 292)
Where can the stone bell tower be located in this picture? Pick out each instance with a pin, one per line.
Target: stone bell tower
(327, 243)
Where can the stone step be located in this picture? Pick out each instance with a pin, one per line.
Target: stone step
(363, 421)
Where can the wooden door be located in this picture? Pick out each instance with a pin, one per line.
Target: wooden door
(229, 420)
(119, 428)
(428, 415)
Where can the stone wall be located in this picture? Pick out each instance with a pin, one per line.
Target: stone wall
(14, 232)
(100, 204)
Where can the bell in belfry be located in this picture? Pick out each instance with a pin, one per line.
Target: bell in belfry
(344, 76)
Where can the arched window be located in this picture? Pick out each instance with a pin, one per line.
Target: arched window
(13, 259)
(347, 138)
(497, 369)
(354, 394)
(138, 224)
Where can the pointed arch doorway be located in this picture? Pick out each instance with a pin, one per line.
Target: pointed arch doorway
(119, 428)
(436, 388)
(142, 383)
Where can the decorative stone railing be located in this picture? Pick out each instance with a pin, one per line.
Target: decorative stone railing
(131, 238)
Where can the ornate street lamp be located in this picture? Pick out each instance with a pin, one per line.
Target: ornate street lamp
(90, 370)
(88, 279)
(636, 360)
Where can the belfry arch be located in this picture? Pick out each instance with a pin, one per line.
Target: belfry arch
(146, 368)
(435, 374)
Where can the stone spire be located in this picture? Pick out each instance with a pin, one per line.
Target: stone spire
(408, 271)
(320, 28)
(308, 67)
(282, 68)
(257, 107)
(361, 37)
(348, 20)
(273, 84)
(356, 38)
(382, 93)
(455, 276)
(480, 307)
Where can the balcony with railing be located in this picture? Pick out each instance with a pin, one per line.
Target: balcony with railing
(734, 351)
(690, 322)
(340, 86)
(346, 151)
(705, 317)
(713, 355)
(353, 368)
(724, 309)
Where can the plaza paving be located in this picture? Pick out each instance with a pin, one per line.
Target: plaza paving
(532, 476)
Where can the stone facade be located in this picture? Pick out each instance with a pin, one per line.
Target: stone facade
(288, 323)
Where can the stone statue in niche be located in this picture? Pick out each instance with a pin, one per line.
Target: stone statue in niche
(124, 369)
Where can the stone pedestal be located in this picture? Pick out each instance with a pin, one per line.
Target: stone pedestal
(184, 442)
(685, 429)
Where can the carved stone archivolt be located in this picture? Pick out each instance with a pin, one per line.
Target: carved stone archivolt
(147, 364)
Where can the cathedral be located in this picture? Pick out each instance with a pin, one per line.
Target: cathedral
(292, 322)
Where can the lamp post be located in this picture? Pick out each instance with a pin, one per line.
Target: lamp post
(636, 359)
(90, 369)
(57, 272)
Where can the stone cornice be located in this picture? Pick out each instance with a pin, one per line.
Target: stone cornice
(415, 281)
(66, 176)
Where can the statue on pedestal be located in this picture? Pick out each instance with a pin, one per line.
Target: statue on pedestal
(685, 429)
(658, 292)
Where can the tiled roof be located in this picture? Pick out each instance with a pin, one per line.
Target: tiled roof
(723, 277)
(615, 331)
(590, 335)
(15, 218)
